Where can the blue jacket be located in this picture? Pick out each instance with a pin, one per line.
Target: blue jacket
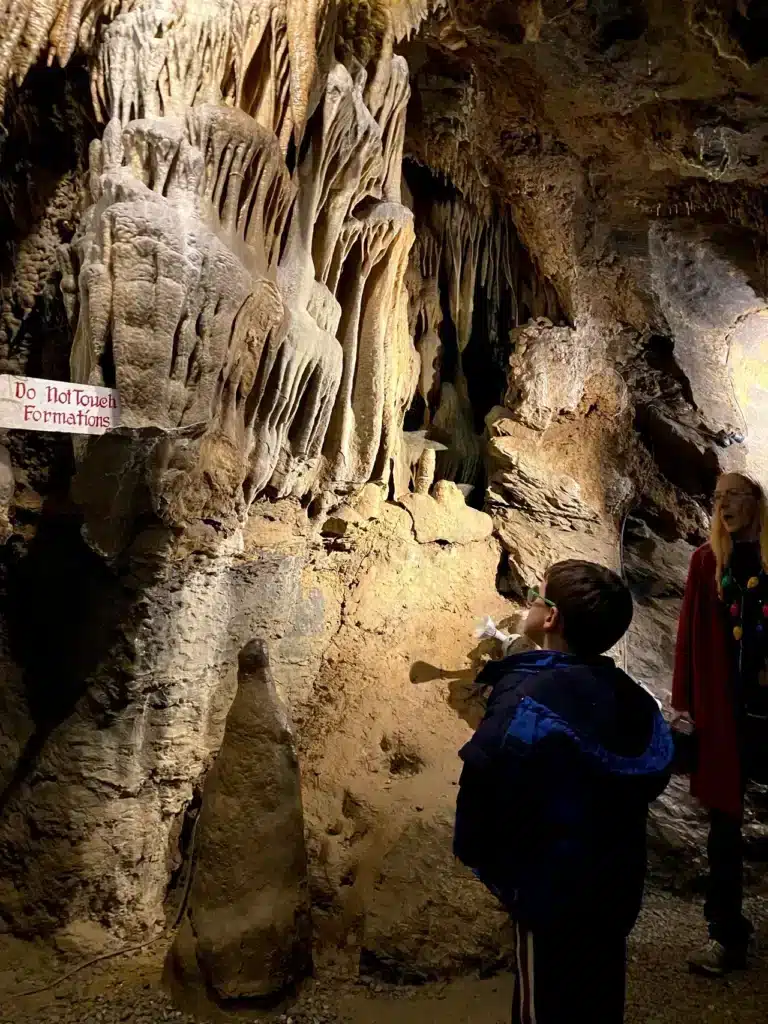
(554, 792)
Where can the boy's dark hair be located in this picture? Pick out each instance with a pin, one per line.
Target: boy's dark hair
(594, 603)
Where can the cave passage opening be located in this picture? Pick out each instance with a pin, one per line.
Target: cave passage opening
(477, 283)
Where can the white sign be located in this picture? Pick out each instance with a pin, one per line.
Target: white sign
(28, 403)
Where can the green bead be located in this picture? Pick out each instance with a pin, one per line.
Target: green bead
(727, 580)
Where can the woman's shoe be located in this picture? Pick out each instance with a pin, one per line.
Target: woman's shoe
(714, 960)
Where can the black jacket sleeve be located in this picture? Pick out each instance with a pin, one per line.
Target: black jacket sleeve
(491, 800)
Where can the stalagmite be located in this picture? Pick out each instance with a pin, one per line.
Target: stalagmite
(247, 927)
(425, 471)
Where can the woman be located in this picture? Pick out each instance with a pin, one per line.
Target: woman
(720, 689)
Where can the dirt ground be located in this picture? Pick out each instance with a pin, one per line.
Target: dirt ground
(660, 989)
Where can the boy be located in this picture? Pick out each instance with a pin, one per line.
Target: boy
(554, 796)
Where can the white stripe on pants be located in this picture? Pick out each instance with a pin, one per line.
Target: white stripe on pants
(524, 1011)
(569, 973)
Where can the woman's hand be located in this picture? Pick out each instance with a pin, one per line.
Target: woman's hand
(682, 722)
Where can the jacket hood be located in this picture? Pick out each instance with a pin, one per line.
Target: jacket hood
(614, 723)
(534, 722)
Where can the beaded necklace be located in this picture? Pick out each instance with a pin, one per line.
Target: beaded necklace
(740, 599)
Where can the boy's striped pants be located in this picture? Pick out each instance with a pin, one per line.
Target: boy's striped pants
(568, 975)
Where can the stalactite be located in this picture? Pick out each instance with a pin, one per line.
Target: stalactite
(30, 27)
(453, 423)
(201, 107)
(425, 316)
(469, 283)
(408, 15)
(377, 250)
(342, 167)
(389, 112)
(246, 181)
(160, 57)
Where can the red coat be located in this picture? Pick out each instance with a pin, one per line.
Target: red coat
(703, 667)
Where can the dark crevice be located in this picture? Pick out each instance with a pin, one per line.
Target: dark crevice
(182, 860)
(660, 356)
(107, 361)
(749, 26)
(617, 20)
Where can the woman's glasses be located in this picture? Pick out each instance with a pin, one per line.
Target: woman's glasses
(533, 596)
(721, 496)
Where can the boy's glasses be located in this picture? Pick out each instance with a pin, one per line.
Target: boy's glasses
(533, 596)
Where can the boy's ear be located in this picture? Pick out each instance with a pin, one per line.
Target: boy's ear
(552, 621)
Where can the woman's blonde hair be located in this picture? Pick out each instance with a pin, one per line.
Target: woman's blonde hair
(720, 539)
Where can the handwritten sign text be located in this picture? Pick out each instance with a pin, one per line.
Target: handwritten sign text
(29, 403)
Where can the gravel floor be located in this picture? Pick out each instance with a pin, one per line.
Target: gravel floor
(660, 989)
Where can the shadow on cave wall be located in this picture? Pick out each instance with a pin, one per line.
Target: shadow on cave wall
(66, 612)
(61, 603)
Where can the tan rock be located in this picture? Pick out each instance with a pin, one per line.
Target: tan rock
(547, 372)
(368, 503)
(248, 903)
(339, 523)
(7, 488)
(420, 861)
(499, 421)
(445, 516)
(521, 482)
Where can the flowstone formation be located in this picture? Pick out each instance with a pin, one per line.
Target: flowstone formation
(208, 283)
(237, 273)
(403, 300)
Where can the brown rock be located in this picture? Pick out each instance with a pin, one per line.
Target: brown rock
(547, 372)
(446, 517)
(248, 903)
(523, 484)
(369, 501)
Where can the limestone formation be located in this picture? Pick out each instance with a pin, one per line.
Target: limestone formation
(418, 463)
(549, 499)
(404, 300)
(467, 273)
(242, 270)
(30, 29)
(445, 517)
(247, 927)
(548, 373)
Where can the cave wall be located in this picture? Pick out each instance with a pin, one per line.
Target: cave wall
(223, 240)
(333, 254)
(626, 140)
